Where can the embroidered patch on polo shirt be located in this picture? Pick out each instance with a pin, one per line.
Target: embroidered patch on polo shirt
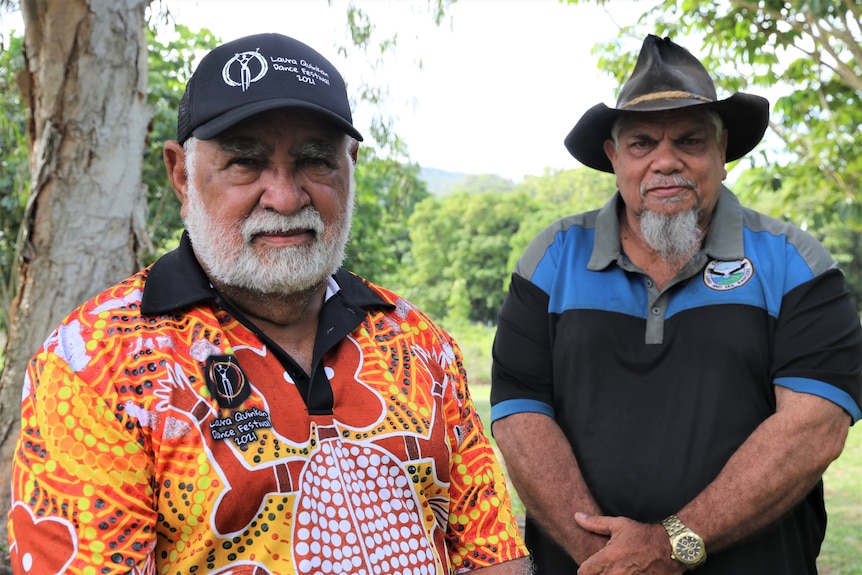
(727, 275)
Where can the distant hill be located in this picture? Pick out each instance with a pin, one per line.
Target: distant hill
(440, 182)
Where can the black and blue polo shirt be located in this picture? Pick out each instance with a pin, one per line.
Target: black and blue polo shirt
(656, 390)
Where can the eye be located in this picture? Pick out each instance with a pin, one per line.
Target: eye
(316, 154)
(245, 161)
(241, 169)
(641, 147)
(692, 144)
(315, 162)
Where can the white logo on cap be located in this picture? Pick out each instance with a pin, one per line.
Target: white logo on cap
(245, 79)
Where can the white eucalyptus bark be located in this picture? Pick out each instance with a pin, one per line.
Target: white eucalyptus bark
(85, 81)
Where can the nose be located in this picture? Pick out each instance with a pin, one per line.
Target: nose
(283, 190)
(666, 159)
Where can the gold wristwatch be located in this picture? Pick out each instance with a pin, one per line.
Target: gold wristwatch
(686, 546)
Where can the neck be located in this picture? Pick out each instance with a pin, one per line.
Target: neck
(290, 320)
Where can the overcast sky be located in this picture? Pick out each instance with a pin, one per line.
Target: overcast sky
(501, 81)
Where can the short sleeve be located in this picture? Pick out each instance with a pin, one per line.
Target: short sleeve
(482, 530)
(82, 500)
(818, 343)
(521, 373)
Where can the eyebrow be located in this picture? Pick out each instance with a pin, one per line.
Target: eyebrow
(251, 147)
(244, 147)
(315, 149)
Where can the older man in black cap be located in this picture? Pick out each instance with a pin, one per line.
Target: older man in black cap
(674, 372)
(244, 405)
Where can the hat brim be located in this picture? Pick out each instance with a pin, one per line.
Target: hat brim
(219, 124)
(745, 116)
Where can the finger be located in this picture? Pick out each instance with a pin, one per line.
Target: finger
(594, 523)
(591, 567)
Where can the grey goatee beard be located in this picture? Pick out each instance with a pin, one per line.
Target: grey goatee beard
(674, 237)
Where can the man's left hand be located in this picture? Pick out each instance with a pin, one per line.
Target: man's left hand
(634, 548)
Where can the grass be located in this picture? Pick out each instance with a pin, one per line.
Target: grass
(841, 553)
(842, 550)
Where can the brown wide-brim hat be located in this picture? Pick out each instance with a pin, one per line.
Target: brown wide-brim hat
(667, 77)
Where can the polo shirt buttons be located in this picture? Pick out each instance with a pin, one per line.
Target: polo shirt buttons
(656, 310)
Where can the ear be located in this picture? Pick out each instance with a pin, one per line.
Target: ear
(611, 150)
(175, 162)
(354, 150)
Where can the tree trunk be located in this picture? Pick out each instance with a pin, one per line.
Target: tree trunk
(85, 79)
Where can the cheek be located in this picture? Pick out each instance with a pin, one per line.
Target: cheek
(629, 184)
(333, 204)
(714, 176)
(231, 205)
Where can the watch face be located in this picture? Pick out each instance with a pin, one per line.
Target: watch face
(688, 548)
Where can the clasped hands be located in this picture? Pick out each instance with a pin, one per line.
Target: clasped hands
(631, 548)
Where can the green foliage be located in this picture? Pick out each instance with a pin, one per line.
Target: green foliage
(465, 243)
(172, 56)
(14, 168)
(387, 192)
(461, 250)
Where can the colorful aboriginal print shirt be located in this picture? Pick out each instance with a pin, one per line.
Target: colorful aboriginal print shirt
(162, 434)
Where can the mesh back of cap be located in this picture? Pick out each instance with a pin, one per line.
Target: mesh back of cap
(184, 120)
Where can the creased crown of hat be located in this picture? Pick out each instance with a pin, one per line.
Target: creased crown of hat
(257, 73)
(666, 77)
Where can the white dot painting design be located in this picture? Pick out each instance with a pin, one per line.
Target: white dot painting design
(357, 513)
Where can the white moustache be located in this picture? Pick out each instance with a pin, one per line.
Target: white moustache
(668, 182)
(268, 222)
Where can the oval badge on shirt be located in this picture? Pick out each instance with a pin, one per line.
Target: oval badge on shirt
(226, 381)
(723, 276)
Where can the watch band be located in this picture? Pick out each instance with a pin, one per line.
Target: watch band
(673, 526)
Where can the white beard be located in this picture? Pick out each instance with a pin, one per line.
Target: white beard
(226, 251)
(674, 237)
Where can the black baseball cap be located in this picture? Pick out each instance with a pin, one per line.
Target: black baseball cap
(257, 73)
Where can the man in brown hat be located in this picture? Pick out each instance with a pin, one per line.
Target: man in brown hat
(674, 372)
